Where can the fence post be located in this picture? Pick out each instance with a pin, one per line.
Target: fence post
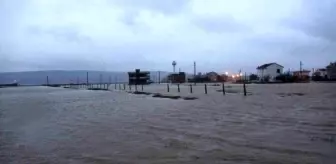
(130, 87)
(178, 87)
(115, 85)
(205, 89)
(124, 86)
(136, 87)
(167, 87)
(244, 88)
(191, 91)
(119, 87)
(141, 87)
(223, 87)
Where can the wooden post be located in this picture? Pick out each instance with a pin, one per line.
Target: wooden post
(191, 91)
(136, 87)
(141, 87)
(205, 89)
(178, 87)
(130, 87)
(223, 87)
(47, 81)
(87, 78)
(167, 87)
(124, 86)
(119, 86)
(244, 87)
(115, 85)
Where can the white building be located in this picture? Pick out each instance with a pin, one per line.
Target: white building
(269, 71)
(321, 72)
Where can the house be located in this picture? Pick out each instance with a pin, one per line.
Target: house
(269, 71)
(177, 77)
(301, 73)
(138, 77)
(212, 76)
(322, 72)
(301, 76)
(331, 71)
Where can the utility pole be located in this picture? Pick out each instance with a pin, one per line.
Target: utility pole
(301, 68)
(195, 72)
(87, 78)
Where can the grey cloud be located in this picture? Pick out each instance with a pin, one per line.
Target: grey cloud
(163, 6)
(317, 18)
(220, 24)
(69, 34)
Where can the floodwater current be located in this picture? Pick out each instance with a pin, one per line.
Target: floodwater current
(40, 125)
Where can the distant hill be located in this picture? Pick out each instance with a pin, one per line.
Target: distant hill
(62, 77)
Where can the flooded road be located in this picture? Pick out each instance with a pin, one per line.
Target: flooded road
(55, 125)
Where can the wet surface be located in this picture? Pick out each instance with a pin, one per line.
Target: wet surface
(55, 125)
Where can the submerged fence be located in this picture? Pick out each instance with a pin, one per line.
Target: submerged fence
(186, 88)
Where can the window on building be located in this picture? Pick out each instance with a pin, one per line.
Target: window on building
(278, 70)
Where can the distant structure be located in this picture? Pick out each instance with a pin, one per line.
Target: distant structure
(138, 77)
(177, 77)
(268, 72)
(331, 71)
(213, 76)
(174, 65)
(301, 75)
(14, 84)
(301, 72)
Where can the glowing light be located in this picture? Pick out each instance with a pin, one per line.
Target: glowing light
(241, 74)
(226, 73)
(233, 76)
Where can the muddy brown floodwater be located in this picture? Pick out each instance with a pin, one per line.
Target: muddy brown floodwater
(289, 123)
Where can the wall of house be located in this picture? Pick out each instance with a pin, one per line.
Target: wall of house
(331, 72)
(270, 71)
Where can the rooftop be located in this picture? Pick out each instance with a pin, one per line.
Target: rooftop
(264, 66)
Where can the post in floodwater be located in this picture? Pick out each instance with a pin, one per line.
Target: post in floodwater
(244, 85)
(87, 78)
(47, 80)
(223, 88)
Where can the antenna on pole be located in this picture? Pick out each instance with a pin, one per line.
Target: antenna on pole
(174, 65)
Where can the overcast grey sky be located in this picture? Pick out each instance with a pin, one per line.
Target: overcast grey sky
(119, 35)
